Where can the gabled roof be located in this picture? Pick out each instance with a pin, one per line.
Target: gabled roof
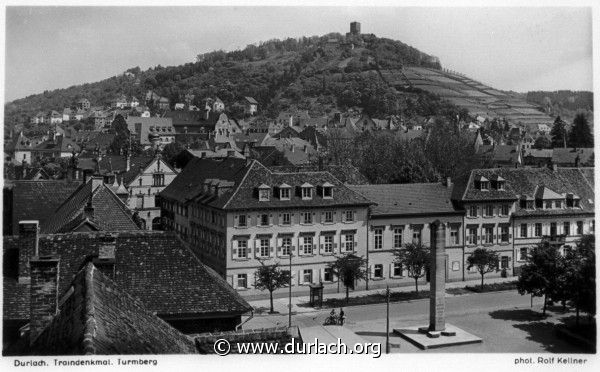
(101, 318)
(408, 199)
(37, 200)
(246, 178)
(110, 214)
(544, 193)
(144, 265)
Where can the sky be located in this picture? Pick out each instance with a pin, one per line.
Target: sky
(520, 49)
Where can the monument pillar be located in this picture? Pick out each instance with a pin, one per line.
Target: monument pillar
(437, 274)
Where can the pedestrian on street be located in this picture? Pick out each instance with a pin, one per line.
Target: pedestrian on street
(342, 316)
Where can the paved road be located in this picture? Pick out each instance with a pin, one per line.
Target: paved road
(504, 320)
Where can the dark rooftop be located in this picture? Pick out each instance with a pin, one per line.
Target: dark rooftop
(409, 198)
(99, 317)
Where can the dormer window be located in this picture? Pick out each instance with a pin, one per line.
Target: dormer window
(307, 189)
(482, 182)
(498, 182)
(501, 185)
(284, 191)
(264, 192)
(327, 191)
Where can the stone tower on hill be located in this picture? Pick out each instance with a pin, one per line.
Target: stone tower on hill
(355, 28)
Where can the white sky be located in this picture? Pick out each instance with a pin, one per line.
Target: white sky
(521, 49)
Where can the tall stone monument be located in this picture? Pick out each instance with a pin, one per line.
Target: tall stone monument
(437, 268)
(437, 333)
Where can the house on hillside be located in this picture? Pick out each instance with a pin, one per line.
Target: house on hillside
(83, 104)
(250, 106)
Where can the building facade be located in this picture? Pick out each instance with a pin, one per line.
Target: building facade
(144, 186)
(511, 210)
(403, 214)
(237, 214)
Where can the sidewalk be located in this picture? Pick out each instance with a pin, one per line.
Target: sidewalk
(280, 305)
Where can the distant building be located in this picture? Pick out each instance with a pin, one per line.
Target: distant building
(355, 28)
(250, 105)
(83, 104)
(151, 131)
(573, 157)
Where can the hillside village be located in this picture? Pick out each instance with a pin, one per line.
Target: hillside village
(222, 183)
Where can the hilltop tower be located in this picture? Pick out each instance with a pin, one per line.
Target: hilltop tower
(355, 28)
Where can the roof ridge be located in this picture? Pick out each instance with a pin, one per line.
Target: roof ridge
(89, 316)
(241, 182)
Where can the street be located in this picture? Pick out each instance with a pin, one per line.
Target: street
(504, 320)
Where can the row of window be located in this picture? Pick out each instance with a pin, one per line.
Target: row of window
(398, 236)
(489, 210)
(552, 229)
(306, 191)
(308, 276)
(288, 218)
(549, 204)
(488, 236)
(307, 245)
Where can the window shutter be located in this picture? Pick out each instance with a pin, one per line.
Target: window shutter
(249, 221)
(279, 245)
(271, 219)
(235, 221)
(321, 244)
(256, 248)
(293, 249)
(334, 247)
(300, 278)
(234, 250)
(370, 271)
(342, 241)
(249, 247)
(279, 220)
(354, 216)
(509, 236)
(322, 217)
(300, 246)
(355, 245)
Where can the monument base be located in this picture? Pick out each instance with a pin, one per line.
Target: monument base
(451, 336)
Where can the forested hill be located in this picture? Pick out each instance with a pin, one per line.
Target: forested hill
(314, 73)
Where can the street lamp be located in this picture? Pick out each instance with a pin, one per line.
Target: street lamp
(290, 289)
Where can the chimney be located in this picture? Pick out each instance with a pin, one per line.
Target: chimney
(448, 182)
(43, 305)
(128, 162)
(105, 262)
(29, 247)
(292, 147)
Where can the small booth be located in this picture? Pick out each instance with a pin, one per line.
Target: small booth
(316, 295)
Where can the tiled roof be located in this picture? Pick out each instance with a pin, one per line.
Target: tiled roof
(246, 179)
(251, 100)
(100, 318)
(507, 154)
(154, 266)
(567, 156)
(37, 200)
(110, 214)
(407, 199)
(525, 182)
